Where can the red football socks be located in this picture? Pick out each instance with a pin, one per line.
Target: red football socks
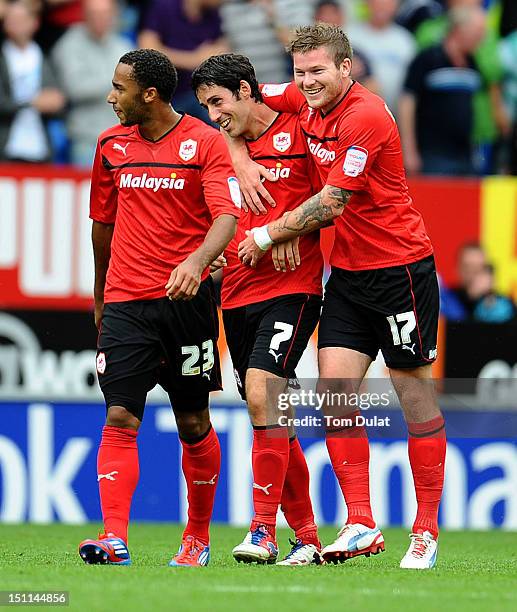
(296, 502)
(269, 460)
(350, 457)
(426, 448)
(117, 474)
(201, 464)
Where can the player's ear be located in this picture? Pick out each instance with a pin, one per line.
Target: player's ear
(150, 95)
(245, 90)
(346, 67)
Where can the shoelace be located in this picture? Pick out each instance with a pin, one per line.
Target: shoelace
(420, 545)
(257, 536)
(296, 545)
(344, 530)
(190, 547)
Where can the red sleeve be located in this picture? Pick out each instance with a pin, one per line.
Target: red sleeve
(282, 97)
(361, 136)
(103, 192)
(220, 187)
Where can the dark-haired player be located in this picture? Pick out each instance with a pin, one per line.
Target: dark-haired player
(382, 292)
(164, 204)
(268, 317)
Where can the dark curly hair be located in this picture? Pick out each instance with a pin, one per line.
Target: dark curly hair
(227, 70)
(152, 68)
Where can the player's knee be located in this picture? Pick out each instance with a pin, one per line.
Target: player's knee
(119, 416)
(256, 399)
(192, 424)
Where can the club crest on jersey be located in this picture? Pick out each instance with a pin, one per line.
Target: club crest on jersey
(188, 149)
(282, 141)
(101, 363)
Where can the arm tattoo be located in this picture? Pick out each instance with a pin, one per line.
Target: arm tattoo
(318, 211)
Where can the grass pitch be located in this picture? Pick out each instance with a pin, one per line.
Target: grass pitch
(475, 571)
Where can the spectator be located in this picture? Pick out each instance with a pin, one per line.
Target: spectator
(330, 11)
(83, 58)
(188, 32)
(491, 307)
(28, 89)
(388, 47)
(471, 262)
(491, 121)
(257, 29)
(58, 16)
(413, 12)
(436, 114)
(475, 298)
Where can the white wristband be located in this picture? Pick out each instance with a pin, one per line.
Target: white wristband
(262, 237)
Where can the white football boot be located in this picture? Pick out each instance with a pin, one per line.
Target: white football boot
(301, 554)
(422, 552)
(257, 547)
(353, 540)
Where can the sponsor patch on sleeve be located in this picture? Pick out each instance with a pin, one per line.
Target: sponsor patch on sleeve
(274, 89)
(235, 191)
(355, 161)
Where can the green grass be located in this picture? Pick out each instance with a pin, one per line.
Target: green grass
(475, 571)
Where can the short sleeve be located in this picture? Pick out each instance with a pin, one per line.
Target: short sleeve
(220, 187)
(103, 192)
(283, 97)
(360, 138)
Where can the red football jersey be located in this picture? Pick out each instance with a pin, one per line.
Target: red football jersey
(282, 149)
(356, 146)
(162, 197)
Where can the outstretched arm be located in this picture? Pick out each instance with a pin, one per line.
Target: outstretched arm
(316, 212)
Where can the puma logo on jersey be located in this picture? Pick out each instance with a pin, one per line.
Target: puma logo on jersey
(119, 147)
(264, 489)
(320, 152)
(151, 182)
(206, 375)
(409, 348)
(206, 482)
(275, 355)
(110, 476)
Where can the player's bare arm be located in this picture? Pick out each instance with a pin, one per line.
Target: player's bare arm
(102, 234)
(316, 212)
(250, 175)
(185, 279)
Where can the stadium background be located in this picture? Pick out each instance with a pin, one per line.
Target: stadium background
(51, 411)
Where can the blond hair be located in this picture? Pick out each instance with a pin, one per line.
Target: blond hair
(309, 38)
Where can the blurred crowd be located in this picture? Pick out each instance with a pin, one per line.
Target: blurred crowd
(475, 297)
(446, 68)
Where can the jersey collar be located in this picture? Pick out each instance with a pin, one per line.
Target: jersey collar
(166, 133)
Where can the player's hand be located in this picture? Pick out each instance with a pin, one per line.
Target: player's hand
(99, 309)
(249, 252)
(251, 177)
(288, 250)
(184, 280)
(218, 263)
